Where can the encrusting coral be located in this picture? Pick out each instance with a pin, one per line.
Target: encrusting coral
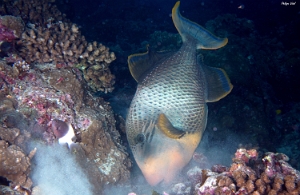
(42, 80)
(11, 27)
(44, 95)
(15, 165)
(109, 159)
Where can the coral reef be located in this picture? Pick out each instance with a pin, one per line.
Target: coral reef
(36, 12)
(63, 44)
(256, 112)
(31, 101)
(43, 45)
(102, 149)
(9, 134)
(94, 64)
(15, 166)
(50, 37)
(11, 28)
(251, 60)
(250, 175)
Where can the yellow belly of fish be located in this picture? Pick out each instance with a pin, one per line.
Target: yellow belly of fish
(165, 167)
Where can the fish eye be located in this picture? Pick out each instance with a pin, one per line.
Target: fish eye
(140, 138)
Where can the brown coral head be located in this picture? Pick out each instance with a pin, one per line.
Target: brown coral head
(59, 128)
(219, 168)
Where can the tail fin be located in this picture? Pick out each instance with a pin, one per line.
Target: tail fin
(185, 27)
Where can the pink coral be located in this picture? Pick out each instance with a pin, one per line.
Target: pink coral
(219, 168)
(246, 155)
(260, 177)
(276, 164)
(6, 34)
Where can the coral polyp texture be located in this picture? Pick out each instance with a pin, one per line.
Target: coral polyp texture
(11, 28)
(249, 174)
(36, 12)
(50, 38)
(15, 165)
(63, 44)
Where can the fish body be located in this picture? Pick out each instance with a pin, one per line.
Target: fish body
(63, 132)
(168, 113)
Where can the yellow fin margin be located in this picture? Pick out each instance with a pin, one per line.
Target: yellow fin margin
(141, 63)
(167, 128)
(204, 38)
(218, 83)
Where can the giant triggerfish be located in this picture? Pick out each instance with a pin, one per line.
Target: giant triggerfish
(168, 113)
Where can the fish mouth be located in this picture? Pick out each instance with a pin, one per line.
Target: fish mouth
(163, 169)
(162, 158)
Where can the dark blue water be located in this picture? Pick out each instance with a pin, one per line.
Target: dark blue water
(267, 15)
(262, 60)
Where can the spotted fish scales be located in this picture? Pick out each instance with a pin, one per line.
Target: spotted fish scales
(168, 113)
(178, 98)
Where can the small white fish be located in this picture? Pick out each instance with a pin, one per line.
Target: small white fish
(63, 132)
(241, 6)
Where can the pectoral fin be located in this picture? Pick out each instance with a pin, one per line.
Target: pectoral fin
(218, 83)
(167, 128)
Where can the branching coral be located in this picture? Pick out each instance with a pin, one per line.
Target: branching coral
(99, 80)
(37, 12)
(249, 175)
(62, 43)
(50, 37)
(34, 96)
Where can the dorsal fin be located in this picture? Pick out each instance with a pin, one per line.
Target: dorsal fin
(187, 28)
(218, 83)
(167, 128)
(139, 64)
